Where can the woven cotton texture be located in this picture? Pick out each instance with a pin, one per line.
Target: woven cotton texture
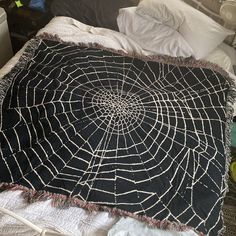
(141, 136)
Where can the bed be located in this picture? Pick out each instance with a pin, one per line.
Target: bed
(150, 144)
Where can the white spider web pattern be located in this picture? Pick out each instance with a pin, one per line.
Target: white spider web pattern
(142, 136)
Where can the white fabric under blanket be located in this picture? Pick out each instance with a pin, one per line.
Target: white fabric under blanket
(140, 229)
(72, 221)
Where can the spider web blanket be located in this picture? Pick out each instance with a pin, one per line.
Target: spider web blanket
(137, 137)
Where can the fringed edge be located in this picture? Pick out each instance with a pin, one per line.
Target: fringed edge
(59, 200)
(178, 61)
(6, 81)
(231, 98)
(63, 201)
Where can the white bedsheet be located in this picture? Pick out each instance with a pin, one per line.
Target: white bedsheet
(71, 221)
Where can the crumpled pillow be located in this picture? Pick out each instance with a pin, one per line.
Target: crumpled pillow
(152, 35)
(163, 11)
(201, 32)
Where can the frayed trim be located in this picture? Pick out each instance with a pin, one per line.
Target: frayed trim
(187, 62)
(6, 81)
(178, 61)
(231, 99)
(59, 200)
(63, 201)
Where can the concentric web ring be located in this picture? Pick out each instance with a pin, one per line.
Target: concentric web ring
(141, 136)
(121, 111)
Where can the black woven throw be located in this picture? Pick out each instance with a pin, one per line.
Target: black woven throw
(142, 137)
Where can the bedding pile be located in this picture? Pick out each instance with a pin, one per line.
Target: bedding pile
(144, 137)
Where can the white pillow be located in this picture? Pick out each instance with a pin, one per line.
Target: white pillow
(162, 11)
(201, 32)
(219, 57)
(152, 35)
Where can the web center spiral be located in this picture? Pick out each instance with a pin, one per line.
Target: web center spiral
(120, 111)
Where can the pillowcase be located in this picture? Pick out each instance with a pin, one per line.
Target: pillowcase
(212, 9)
(163, 11)
(201, 32)
(98, 13)
(152, 35)
(219, 57)
(208, 7)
